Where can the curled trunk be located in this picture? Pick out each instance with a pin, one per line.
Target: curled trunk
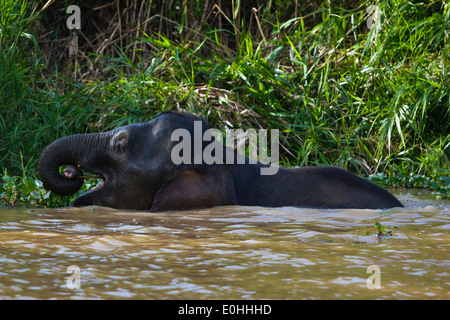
(73, 151)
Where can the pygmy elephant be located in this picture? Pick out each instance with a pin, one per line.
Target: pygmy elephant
(137, 169)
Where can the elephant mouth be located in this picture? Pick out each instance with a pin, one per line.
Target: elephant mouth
(100, 185)
(99, 194)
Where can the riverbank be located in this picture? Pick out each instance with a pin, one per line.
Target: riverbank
(342, 88)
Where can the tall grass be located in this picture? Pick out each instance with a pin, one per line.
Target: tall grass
(369, 100)
(23, 105)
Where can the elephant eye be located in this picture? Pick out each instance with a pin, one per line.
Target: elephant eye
(121, 146)
(119, 143)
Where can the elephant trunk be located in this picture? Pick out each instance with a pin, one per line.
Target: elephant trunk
(74, 151)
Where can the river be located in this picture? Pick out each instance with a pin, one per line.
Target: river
(228, 252)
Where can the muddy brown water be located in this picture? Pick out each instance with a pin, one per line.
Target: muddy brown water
(227, 253)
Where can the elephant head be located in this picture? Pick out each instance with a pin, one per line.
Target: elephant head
(134, 163)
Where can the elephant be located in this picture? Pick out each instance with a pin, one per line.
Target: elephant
(137, 170)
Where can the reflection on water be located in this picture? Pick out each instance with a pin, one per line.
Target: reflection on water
(226, 253)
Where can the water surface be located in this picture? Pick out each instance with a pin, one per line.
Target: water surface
(231, 252)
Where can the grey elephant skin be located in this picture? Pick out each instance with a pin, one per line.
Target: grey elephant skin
(135, 165)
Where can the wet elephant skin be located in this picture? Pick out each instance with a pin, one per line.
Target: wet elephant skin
(138, 172)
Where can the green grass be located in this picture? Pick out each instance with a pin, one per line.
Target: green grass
(373, 101)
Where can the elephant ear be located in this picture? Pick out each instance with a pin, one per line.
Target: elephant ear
(192, 189)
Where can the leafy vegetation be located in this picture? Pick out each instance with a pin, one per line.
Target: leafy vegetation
(373, 100)
(382, 231)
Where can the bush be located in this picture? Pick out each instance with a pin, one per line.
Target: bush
(374, 101)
